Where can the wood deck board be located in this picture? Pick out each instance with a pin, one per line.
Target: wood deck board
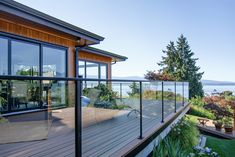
(98, 140)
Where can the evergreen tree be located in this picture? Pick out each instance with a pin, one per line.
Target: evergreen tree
(180, 63)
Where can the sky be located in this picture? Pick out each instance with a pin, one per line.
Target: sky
(141, 29)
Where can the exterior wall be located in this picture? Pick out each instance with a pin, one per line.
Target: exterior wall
(31, 30)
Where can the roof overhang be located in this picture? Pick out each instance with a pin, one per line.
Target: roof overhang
(115, 57)
(33, 15)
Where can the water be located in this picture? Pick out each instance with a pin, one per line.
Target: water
(208, 89)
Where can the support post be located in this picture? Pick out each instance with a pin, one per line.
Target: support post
(141, 112)
(121, 92)
(78, 118)
(162, 102)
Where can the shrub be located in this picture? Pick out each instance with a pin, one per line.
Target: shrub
(197, 101)
(106, 97)
(179, 142)
(201, 112)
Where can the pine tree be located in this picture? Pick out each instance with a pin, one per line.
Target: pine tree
(179, 63)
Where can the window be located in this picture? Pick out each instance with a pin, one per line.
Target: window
(54, 62)
(103, 71)
(81, 68)
(93, 70)
(25, 59)
(3, 56)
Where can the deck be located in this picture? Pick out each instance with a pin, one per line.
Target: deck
(104, 137)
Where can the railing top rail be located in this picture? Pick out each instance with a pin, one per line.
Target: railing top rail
(41, 78)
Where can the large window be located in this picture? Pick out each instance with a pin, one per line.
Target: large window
(31, 59)
(25, 59)
(3, 56)
(54, 63)
(89, 69)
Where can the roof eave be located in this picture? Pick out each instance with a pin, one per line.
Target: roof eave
(115, 57)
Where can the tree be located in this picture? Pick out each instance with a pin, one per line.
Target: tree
(180, 64)
(153, 76)
(135, 89)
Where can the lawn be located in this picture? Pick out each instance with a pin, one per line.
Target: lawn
(225, 148)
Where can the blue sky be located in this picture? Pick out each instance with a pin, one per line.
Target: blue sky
(141, 29)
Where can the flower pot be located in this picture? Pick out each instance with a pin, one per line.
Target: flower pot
(228, 129)
(218, 127)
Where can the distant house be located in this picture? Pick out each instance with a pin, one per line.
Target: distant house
(35, 44)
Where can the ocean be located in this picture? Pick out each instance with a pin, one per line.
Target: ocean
(208, 89)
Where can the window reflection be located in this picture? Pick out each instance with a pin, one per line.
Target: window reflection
(25, 59)
(81, 69)
(54, 62)
(92, 70)
(103, 71)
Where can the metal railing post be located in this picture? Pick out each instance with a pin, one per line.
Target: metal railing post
(141, 112)
(121, 92)
(183, 93)
(162, 102)
(175, 98)
(78, 118)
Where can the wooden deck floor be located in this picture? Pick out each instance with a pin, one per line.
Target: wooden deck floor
(102, 139)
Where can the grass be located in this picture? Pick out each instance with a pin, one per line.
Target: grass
(201, 112)
(225, 148)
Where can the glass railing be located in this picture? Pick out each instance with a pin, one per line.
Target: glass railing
(89, 117)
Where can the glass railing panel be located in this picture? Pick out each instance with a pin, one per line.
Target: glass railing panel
(110, 117)
(186, 92)
(179, 94)
(169, 98)
(152, 104)
(37, 118)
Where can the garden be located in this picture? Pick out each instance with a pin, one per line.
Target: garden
(184, 139)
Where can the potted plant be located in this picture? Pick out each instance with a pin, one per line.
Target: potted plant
(218, 124)
(228, 125)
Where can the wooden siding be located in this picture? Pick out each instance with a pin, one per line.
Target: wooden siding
(18, 26)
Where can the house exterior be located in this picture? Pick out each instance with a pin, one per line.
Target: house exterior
(35, 44)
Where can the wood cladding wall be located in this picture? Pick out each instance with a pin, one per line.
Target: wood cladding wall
(15, 25)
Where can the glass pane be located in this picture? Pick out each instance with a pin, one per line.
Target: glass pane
(110, 120)
(169, 98)
(54, 62)
(179, 94)
(25, 95)
(3, 96)
(103, 71)
(39, 132)
(25, 59)
(81, 68)
(92, 70)
(55, 91)
(3, 56)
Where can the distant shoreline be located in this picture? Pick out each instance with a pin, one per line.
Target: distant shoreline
(218, 84)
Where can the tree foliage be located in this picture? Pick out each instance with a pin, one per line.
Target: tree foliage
(179, 63)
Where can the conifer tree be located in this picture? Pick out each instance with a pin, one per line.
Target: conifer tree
(179, 63)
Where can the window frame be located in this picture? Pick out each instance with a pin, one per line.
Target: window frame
(12, 37)
(99, 67)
